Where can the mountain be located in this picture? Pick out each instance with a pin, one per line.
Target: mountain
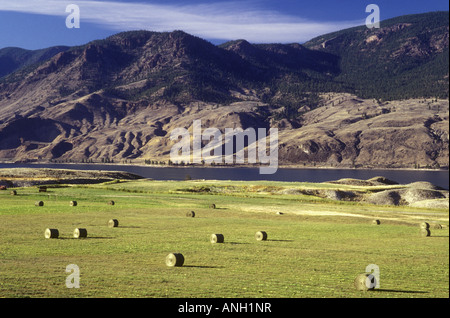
(406, 58)
(14, 58)
(356, 97)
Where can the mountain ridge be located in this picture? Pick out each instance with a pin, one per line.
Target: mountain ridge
(119, 98)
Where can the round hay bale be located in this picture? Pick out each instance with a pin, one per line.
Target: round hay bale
(174, 259)
(190, 214)
(425, 232)
(79, 233)
(364, 282)
(13, 192)
(436, 226)
(39, 203)
(280, 213)
(73, 203)
(43, 189)
(217, 238)
(424, 225)
(51, 233)
(111, 202)
(376, 222)
(212, 206)
(261, 236)
(113, 223)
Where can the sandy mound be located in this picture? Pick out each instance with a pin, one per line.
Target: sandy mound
(418, 193)
(375, 181)
(407, 196)
(436, 204)
(424, 185)
(387, 197)
(413, 195)
(382, 180)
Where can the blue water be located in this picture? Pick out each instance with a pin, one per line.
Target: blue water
(439, 178)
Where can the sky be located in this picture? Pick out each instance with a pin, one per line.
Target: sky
(36, 24)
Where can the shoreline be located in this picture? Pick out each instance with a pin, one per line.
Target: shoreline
(284, 166)
(283, 174)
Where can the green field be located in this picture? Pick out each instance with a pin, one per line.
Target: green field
(315, 249)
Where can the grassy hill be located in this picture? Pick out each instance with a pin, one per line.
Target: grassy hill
(406, 58)
(14, 58)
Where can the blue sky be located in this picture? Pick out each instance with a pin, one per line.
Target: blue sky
(34, 24)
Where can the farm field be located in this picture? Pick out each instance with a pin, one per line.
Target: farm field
(315, 247)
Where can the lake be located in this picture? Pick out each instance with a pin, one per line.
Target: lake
(438, 177)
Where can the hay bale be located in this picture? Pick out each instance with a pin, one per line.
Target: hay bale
(376, 222)
(73, 203)
(13, 192)
(216, 238)
(261, 236)
(174, 259)
(111, 202)
(113, 223)
(365, 282)
(51, 233)
(42, 189)
(39, 203)
(190, 214)
(212, 206)
(79, 233)
(424, 225)
(436, 226)
(280, 213)
(425, 232)
(2, 187)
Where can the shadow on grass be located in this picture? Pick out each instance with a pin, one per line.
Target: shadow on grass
(280, 240)
(129, 227)
(202, 266)
(399, 291)
(235, 243)
(86, 238)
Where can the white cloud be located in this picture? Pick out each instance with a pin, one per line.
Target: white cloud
(221, 21)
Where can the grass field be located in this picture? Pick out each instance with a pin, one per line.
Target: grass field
(315, 249)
